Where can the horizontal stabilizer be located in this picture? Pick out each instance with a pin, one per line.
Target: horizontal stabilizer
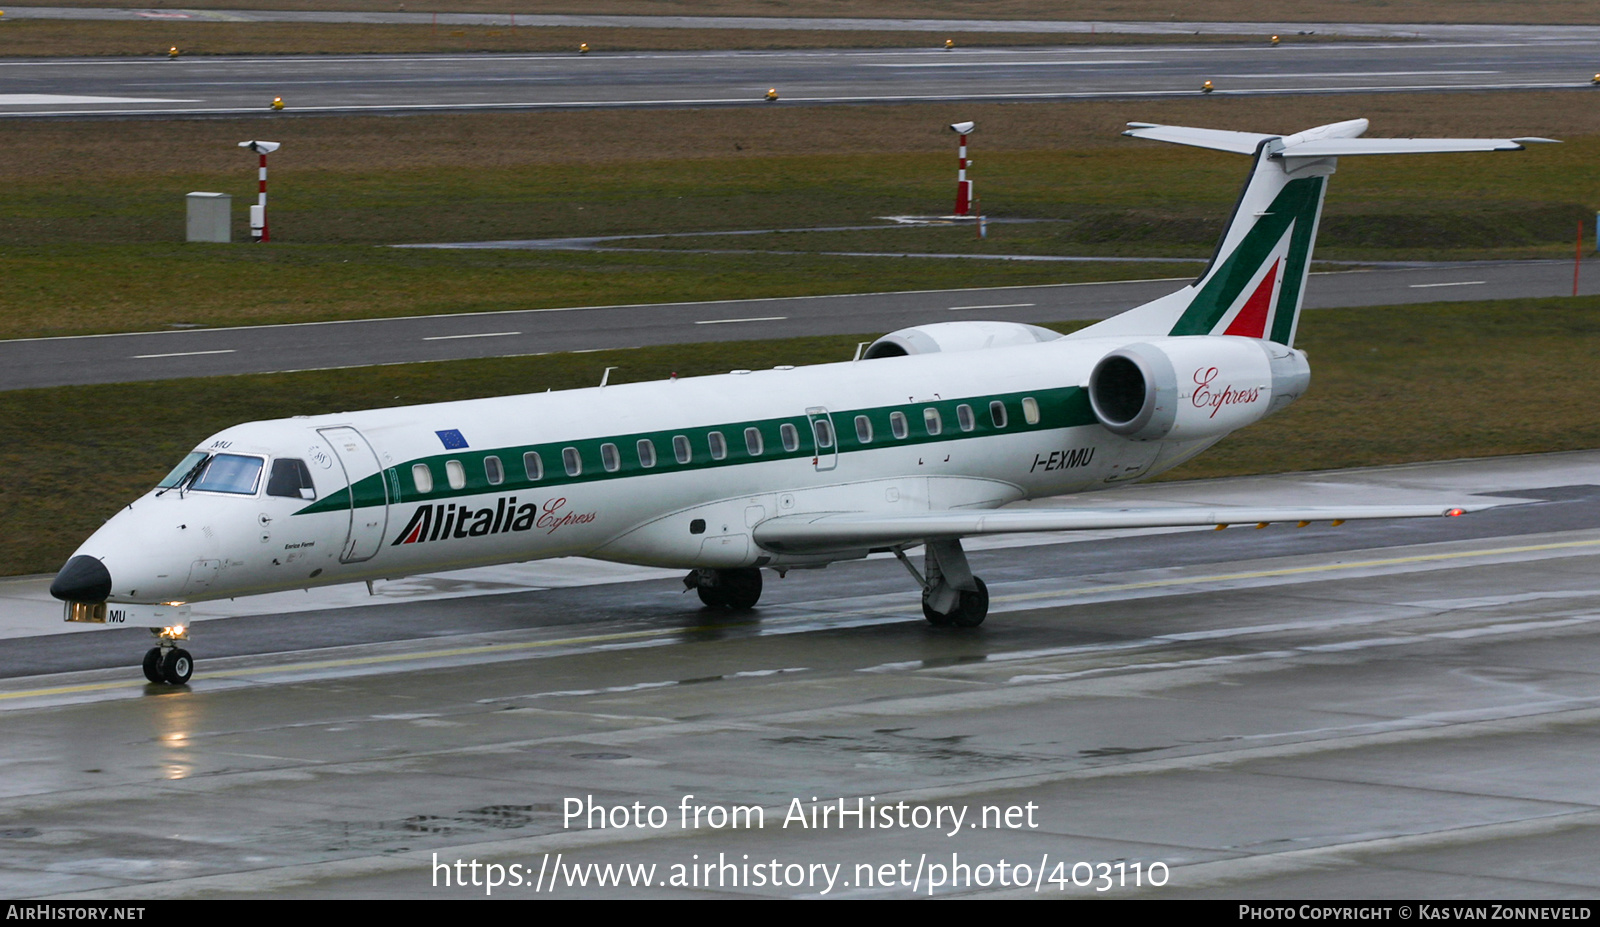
(1219, 139)
(1330, 141)
(1340, 147)
(847, 530)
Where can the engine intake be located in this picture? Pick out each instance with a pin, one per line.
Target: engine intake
(1194, 387)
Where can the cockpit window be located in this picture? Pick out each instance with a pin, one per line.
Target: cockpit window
(291, 479)
(181, 470)
(233, 473)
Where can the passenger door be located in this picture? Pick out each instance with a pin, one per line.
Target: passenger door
(367, 522)
(825, 439)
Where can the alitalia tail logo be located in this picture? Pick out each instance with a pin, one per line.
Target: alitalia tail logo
(443, 521)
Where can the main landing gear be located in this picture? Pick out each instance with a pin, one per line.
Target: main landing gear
(168, 662)
(951, 596)
(735, 590)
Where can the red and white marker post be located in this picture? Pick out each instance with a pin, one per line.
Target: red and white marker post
(963, 185)
(258, 212)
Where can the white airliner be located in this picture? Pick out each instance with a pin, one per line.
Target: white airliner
(918, 442)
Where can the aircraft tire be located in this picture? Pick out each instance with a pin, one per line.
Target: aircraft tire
(152, 665)
(177, 667)
(735, 590)
(971, 608)
(974, 606)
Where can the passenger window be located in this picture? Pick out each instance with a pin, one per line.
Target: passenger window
(680, 448)
(1030, 410)
(897, 424)
(533, 466)
(456, 474)
(997, 413)
(609, 458)
(719, 446)
(493, 472)
(291, 479)
(790, 435)
(930, 418)
(422, 477)
(824, 433)
(752, 441)
(232, 473)
(647, 453)
(964, 417)
(574, 463)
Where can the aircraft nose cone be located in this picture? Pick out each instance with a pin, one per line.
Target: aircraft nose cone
(83, 579)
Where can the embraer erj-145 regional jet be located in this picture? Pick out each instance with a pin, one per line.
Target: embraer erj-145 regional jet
(918, 442)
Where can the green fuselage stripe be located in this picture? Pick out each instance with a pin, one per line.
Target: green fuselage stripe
(1062, 407)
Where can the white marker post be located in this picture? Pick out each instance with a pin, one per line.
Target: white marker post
(258, 212)
(963, 185)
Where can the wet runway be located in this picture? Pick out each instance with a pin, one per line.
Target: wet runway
(1380, 712)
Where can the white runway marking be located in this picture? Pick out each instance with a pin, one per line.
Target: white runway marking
(765, 318)
(181, 354)
(997, 306)
(63, 99)
(477, 335)
(1424, 286)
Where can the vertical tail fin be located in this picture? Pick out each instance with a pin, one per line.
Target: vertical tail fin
(1255, 284)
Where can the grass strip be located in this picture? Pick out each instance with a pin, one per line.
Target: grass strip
(1389, 385)
(88, 289)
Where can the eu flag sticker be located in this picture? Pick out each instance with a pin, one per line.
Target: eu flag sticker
(451, 439)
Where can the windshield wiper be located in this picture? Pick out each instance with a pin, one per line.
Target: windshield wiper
(184, 480)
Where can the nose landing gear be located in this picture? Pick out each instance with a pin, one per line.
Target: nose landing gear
(169, 663)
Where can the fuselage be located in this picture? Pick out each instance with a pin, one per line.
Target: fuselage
(670, 473)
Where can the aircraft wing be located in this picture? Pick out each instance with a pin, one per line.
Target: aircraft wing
(855, 530)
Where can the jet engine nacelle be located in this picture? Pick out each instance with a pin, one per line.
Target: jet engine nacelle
(1194, 387)
(945, 337)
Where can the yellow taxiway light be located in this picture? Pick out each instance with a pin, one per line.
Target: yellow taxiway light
(1301, 524)
(1595, 80)
(1207, 87)
(949, 44)
(1336, 522)
(1220, 527)
(583, 48)
(772, 95)
(277, 103)
(1262, 524)
(1274, 41)
(172, 53)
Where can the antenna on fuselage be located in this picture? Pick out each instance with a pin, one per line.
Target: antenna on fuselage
(605, 377)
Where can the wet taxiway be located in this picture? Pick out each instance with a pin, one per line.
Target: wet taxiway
(1410, 711)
